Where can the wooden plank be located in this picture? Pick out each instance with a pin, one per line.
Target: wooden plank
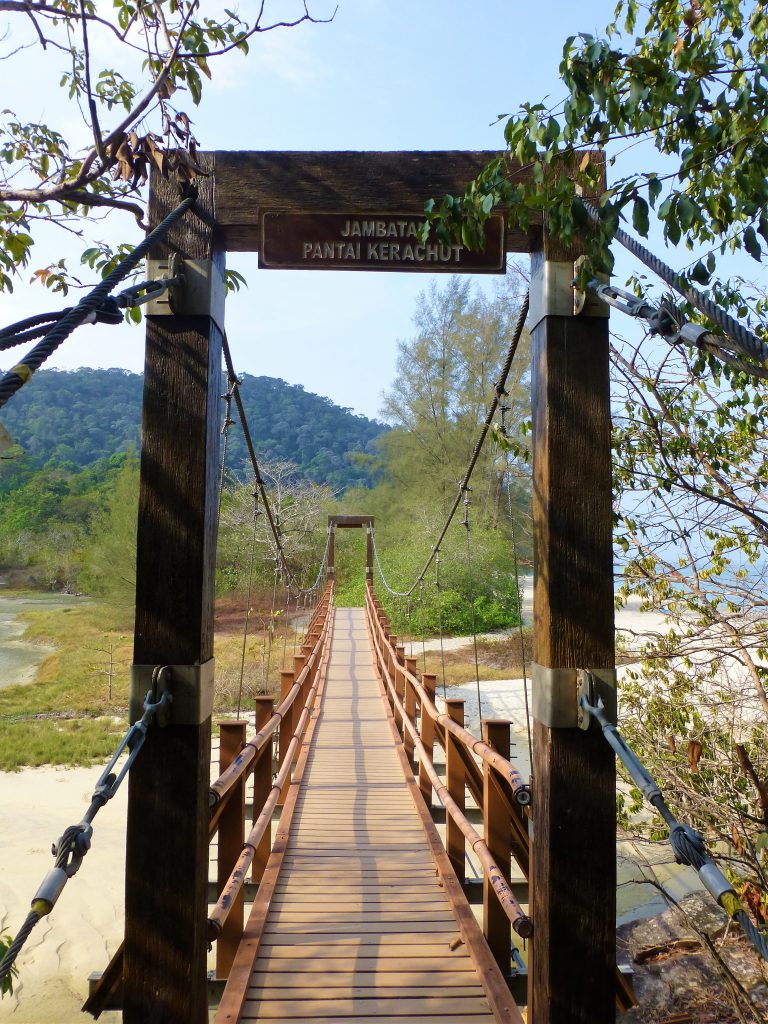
(165, 964)
(248, 183)
(375, 1006)
(441, 1019)
(421, 928)
(273, 977)
(432, 952)
(574, 793)
(361, 995)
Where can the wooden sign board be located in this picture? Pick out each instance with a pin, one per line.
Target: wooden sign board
(371, 241)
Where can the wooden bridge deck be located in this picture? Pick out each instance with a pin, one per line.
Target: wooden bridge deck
(364, 923)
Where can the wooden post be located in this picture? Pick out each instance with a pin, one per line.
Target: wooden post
(369, 553)
(427, 737)
(574, 804)
(231, 837)
(410, 707)
(399, 685)
(497, 927)
(332, 553)
(167, 831)
(455, 782)
(262, 785)
(287, 727)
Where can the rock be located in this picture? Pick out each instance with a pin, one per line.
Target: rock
(673, 969)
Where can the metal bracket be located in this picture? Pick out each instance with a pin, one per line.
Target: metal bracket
(190, 685)
(556, 693)
(202, 291)
(552, 292)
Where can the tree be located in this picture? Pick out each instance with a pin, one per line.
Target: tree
(110, 551)
(298, 507)
(135, 113)
(694, 85)
(444, 381)
(690, 442)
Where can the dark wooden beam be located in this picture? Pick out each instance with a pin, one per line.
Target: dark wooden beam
(574, 813)
(167, 843)
(350, 522)
(248, 183)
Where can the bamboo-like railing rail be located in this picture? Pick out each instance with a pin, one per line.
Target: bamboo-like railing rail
(419, 722)
(312, 674)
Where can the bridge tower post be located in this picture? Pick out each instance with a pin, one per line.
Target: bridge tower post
(168, 813)
(574, 814)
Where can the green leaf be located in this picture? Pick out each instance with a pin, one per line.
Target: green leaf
(751, 244)
(700, 273)
(640, 216)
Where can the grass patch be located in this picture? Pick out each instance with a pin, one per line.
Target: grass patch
(498, 659)
(71, 715)
(67, 742)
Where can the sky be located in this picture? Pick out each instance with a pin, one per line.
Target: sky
(383, 74)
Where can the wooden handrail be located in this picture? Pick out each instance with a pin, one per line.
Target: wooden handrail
(232, 887)
(505, 768)
(241, 764)
(502, 778)
(519, 919)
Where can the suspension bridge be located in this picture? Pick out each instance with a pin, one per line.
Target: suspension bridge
(348, 816)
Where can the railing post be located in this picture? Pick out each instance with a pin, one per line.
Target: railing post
(391, 668)
(455, 781)
(287, 727)
(497, 927)
(410, 706)
(262, 785)
(231, 835)
(427, 737)
(399, 685)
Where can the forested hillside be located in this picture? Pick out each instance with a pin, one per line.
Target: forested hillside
(75, 418)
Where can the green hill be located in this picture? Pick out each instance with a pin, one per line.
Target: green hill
(73, 419)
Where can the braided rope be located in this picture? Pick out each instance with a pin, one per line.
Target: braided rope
(74, 317)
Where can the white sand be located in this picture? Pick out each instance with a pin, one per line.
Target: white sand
(86, 925)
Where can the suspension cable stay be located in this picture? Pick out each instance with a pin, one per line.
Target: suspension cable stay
(738, 338)
(75, 842)
(686, 842)
(464, 485)
(274, 525)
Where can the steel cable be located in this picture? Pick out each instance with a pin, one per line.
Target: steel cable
(686, 842)
(16, 377)
(273, 527)
(743, 339)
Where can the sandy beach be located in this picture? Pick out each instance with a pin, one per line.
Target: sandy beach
(86, 925)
